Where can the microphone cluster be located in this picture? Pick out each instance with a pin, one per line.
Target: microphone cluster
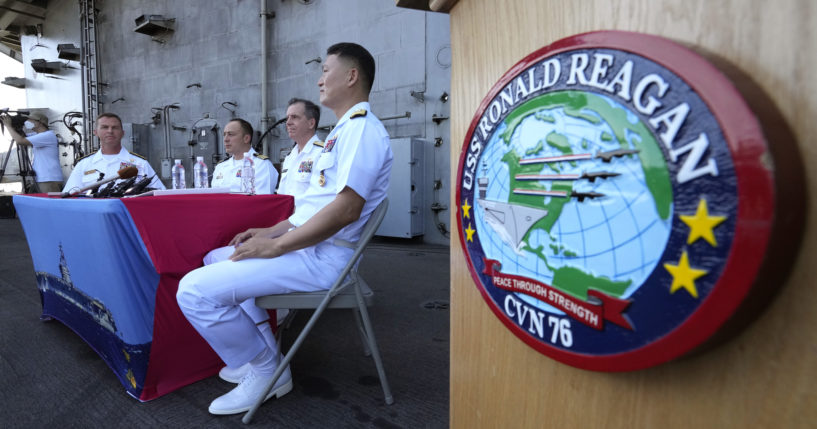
(123, 173)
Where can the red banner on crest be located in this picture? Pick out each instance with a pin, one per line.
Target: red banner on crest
(593, 312)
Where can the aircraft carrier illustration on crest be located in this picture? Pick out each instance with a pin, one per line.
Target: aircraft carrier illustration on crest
(510, 221)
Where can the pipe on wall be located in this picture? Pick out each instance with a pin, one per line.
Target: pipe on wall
(264, 117)
(166, 113)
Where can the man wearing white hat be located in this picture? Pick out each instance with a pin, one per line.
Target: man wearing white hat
(45, 158)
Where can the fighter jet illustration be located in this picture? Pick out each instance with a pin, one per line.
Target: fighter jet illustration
(604, 156)
(618, 153)
(582, 195)
(589, 175)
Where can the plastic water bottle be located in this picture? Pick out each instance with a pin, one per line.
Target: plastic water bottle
(177, 173)
(248, 175)
(200, 173)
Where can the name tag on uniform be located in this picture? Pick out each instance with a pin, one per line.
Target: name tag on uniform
(90, 172)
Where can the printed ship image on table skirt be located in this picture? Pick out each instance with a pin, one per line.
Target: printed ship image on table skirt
(91, 320)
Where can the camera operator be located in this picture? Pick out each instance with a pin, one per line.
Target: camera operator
(45, 162)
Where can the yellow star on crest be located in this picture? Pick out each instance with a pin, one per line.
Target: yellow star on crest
(469, 233)
(466, 209)
(683, 276)
(701, 224)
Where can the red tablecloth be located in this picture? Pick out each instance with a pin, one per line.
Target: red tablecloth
(177, 232)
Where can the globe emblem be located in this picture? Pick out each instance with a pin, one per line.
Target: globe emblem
(574, 192)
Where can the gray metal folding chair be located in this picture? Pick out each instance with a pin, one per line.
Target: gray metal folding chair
(348, 291)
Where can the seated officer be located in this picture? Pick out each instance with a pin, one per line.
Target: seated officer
(302, 123)
(304, 252)
(227, 174)
(110, 158)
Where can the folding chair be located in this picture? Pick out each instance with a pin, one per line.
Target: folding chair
(348, 291)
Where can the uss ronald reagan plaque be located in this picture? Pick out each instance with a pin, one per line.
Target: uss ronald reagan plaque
(615, 200)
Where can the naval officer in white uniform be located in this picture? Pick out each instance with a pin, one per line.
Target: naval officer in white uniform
(302, 123)
(227, 174)
(301, 253)
(110, 158)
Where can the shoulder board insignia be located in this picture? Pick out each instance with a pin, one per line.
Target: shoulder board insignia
(258, 155)
(86, 156)
(137, 155)
(318, 143)
(358, 114)
(228, 158)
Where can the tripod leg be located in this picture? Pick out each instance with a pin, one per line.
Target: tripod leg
(32, 187)
(27, 173)
(6, 161)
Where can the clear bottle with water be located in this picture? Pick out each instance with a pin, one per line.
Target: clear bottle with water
(177, 175)
(200, 173)
(248, 175)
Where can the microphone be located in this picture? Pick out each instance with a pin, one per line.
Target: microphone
(279, 122)
(124, 173)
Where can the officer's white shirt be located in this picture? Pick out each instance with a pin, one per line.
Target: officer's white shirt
(227, 174)
(356, 154)
(297, 167)
(88, 168)
(46, 157)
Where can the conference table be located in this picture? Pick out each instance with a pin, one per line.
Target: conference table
(109, 270)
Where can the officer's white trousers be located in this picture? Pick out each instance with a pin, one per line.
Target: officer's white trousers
(258, 315)
(210, 296)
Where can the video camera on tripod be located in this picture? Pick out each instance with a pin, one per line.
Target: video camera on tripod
(18, 118)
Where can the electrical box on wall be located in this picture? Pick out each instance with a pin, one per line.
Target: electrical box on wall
(205, 144)
(405, 218)
(140, 139)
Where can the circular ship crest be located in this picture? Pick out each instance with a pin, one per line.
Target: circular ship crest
(600, 200)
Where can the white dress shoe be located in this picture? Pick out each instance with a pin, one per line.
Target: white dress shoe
(243, 396)
(234, 375)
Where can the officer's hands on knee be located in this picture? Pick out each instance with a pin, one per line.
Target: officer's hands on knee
(244, 236)
(257, 247)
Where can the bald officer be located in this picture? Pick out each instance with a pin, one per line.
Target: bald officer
(304, 252)
(237, 142)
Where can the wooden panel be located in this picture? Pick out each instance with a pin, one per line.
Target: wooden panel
(764, 377)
